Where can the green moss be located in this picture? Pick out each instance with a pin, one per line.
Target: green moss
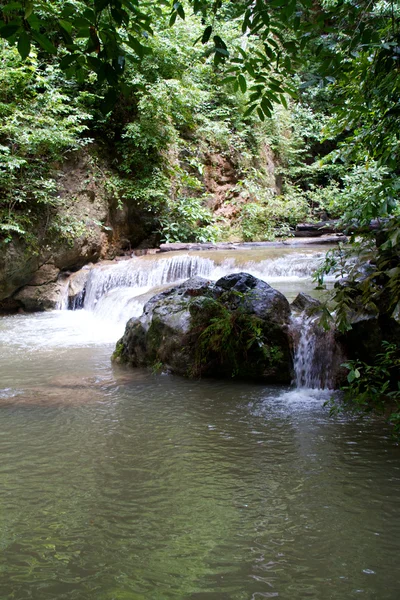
(118, 354)
(154, 335)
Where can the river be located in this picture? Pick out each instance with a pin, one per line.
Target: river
(121, 484)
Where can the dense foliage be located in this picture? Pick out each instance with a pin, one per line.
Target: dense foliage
(374, 387)
(168, 128)
(41, 121)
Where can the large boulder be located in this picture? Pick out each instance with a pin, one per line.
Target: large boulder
(237, 326)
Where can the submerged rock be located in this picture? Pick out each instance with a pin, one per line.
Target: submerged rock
(237, 326)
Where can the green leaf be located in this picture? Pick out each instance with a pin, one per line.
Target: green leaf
(80, 22)
(354, 374)
(44, 42)
(229, 79)
(266, 106)
(206, 34)
(34, 22)
(140, 50)
(8, 31)
(284, 101)
(11, 7)
(67, 25)
(249, 110)
(129, 5)
(219, 43)
(242, 83)
(94, 63)
(24, 45)
(66, 61)
(180, 10)
(260, 114)
(250, 70)
(28, 9)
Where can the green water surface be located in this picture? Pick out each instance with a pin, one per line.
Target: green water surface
(123, 485)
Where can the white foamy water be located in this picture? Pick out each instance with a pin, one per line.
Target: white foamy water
(296, 266)
(57, 329)
(313, 353)
(117, 292)
(141, 275)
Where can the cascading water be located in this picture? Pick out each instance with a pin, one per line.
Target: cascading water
(313, 353)
(142, 275)
(115, 292)
(119, 291)
(295, 266)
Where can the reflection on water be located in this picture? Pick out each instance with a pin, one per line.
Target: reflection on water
(117, 484)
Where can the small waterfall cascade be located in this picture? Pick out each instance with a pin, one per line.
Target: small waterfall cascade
(120, 291)
(314, 353)
(143, 275)
(117, 291)
(297, 265)
(62, 303)
(140, 273)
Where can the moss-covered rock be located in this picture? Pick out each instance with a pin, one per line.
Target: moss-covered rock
(237, 326)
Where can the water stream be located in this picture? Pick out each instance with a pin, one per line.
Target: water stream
(117, 291)
(119, 484)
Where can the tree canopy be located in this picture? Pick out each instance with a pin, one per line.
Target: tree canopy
(281, 50)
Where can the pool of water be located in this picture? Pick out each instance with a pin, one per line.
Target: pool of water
(120, 484)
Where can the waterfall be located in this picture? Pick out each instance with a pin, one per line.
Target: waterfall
(62, 303)
(296, 265)
(117, 291)
(142, 275)
(314, 353)
(112, 292)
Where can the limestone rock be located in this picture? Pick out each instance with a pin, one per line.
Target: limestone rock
(41, 297)
(47, 273)
(17, 266)
(76, 287)
(174, 324)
